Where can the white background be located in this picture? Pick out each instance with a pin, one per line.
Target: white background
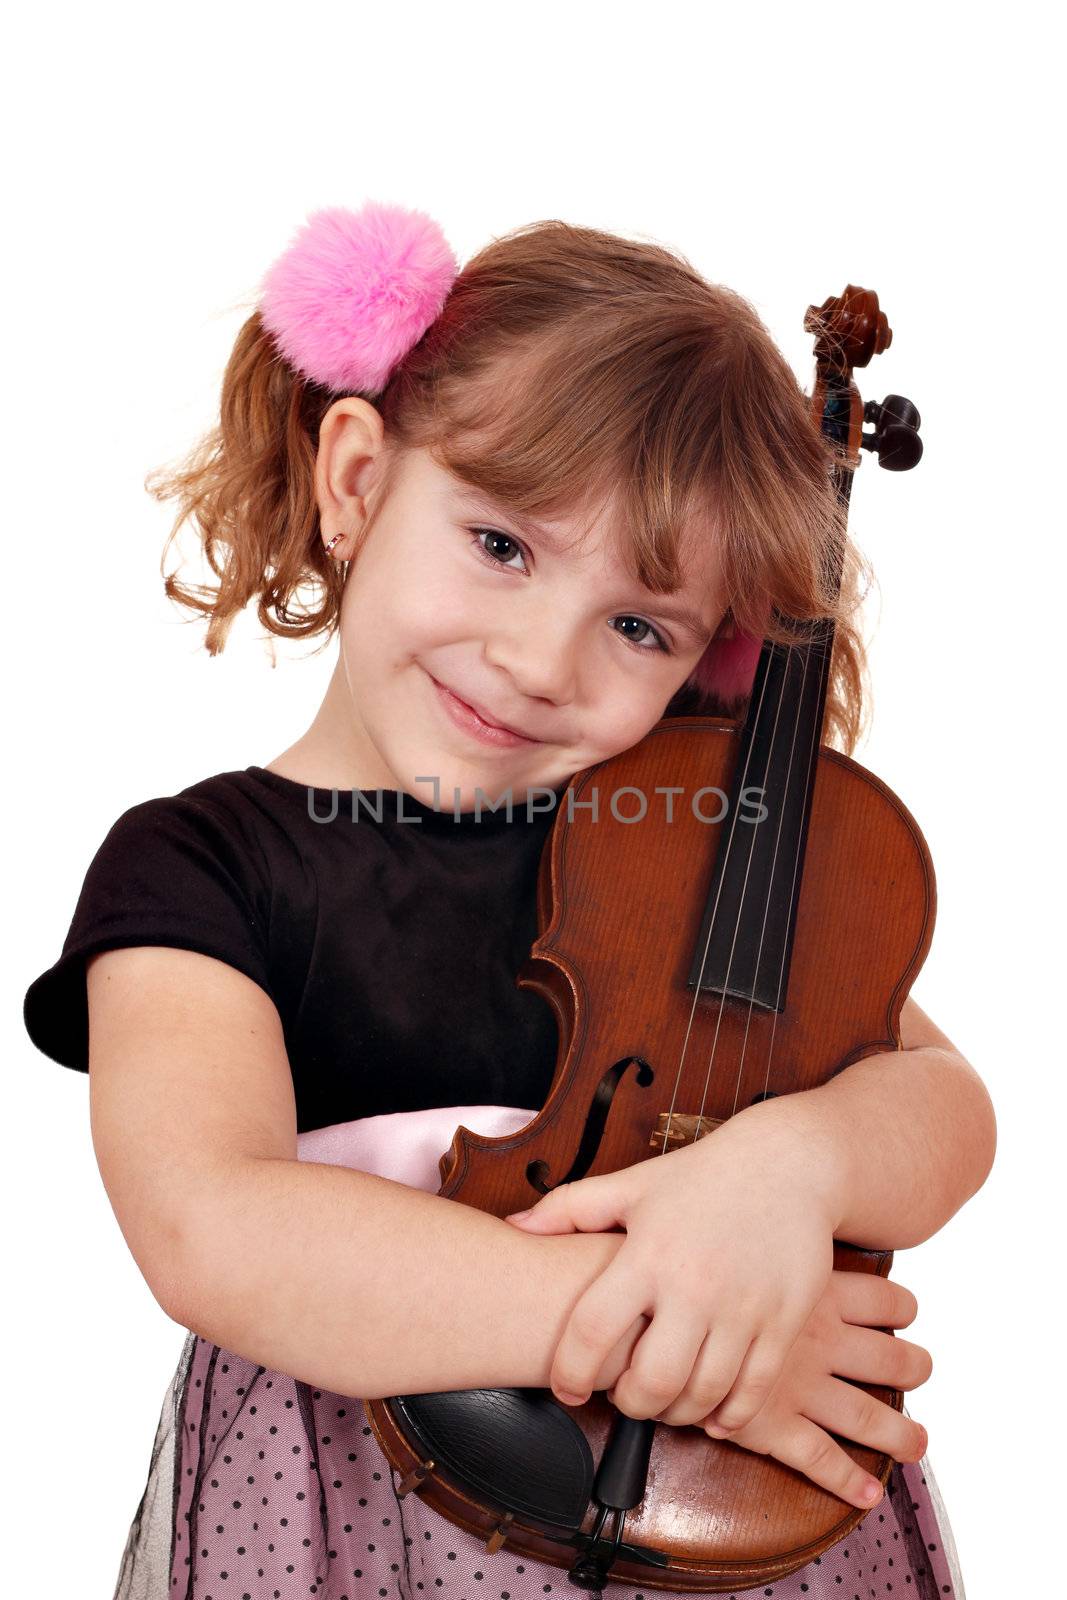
(159, 159)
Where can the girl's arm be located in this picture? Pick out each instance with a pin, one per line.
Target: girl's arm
(371, 1288)
(909, 1135)
(347, 1280)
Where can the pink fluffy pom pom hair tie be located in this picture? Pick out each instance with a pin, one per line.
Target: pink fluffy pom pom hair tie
(354, 291)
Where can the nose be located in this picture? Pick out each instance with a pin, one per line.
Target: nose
(538, 652)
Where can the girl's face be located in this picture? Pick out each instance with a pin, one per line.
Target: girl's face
(450, 599)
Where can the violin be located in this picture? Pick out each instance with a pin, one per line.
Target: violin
(765, 959)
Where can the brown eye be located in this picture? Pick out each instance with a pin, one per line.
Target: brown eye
(492, 554)
(660, 644)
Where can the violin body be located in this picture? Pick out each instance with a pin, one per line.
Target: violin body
(648, 1058)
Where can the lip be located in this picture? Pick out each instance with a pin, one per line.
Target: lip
(471, 721)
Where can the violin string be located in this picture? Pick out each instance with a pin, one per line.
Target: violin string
(791, 653)
(806, 658)
(816, 732)
(786, 658)
(711, 924)
(739, 789)
(823, 646)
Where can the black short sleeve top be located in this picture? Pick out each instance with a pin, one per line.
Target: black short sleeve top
(387, 932)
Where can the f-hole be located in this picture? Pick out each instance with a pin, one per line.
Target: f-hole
(538, 1174)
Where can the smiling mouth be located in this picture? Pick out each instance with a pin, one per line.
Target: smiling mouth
(497, 727)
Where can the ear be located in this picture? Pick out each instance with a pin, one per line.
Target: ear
(350, 456)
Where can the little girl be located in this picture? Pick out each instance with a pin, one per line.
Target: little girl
(544, 502)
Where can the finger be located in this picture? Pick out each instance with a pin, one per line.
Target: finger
(811, 1451)
(714, 1373)
(660, 1365)
(865, 1298)
(599, 1320)
(758, 1375)
(856, 1415)
(590, 1205)
(875, 1357)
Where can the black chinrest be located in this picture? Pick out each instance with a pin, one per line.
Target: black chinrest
(518, 1449)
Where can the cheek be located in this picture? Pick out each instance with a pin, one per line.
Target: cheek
(627, 714)
(415, 594)
(437, 607)
(389, 609)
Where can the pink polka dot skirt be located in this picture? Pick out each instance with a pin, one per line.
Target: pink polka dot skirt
(262, 1488)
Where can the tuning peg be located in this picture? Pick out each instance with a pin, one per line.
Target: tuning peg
(895, 440)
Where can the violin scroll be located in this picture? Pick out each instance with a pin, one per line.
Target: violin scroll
(849, 329)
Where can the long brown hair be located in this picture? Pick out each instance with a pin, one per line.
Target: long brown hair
(566, 365)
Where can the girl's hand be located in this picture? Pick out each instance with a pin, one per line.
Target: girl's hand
(729, 1248)
(841, 1339)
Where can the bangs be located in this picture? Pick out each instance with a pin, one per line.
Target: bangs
(595, 417)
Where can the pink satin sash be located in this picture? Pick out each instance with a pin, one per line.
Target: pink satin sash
(406, 1145)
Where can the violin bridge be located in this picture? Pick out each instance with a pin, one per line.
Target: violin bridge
(683, 1129)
